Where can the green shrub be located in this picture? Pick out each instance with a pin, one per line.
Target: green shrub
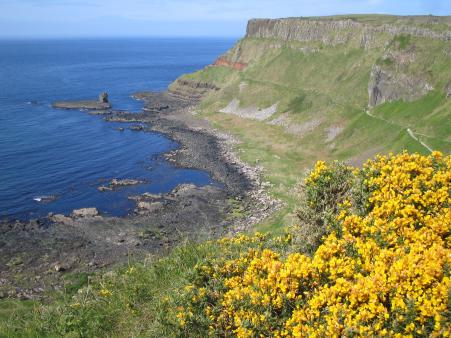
(321, 193)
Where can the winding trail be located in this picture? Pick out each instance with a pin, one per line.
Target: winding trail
(408, 130)
(412, 135)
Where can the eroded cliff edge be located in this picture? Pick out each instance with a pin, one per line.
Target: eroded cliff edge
(316, 77)
(361, 29)
(390, 78)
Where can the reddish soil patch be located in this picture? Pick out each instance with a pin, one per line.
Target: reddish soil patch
(225, 63)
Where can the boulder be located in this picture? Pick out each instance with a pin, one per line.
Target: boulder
(59, 268)
(85, 212)
(61, 219)
(65, 264)
(145, 205)
(149, 206)
(150, 195)
(183, 188)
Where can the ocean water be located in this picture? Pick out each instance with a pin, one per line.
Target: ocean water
(68, 153)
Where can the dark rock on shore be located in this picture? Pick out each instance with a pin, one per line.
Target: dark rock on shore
(200, 148)
(103, 97)
(91, 105)
(137, 128)
(179, 97)
(86, 241)
(146, 196)
(99, 112)
(115, 183)
(101, 104)
(85, 212)
(124, 182)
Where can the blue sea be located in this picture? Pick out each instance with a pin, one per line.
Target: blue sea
(68, 153)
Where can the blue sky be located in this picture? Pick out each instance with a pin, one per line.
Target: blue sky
(100, 18)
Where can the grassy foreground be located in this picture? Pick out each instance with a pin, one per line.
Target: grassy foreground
(369, 256)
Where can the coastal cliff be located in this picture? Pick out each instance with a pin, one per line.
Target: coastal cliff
(336, 30)
(317, 77)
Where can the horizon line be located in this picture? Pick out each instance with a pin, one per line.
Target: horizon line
(89, 37)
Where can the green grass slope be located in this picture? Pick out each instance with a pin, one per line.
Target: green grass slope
(322, 95)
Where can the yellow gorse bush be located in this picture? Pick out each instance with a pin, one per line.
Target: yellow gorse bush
(384, 273)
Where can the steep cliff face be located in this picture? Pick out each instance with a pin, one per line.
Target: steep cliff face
(327, 32)
(316, 75)
(386, 86)
(394, 39)
(334, 31)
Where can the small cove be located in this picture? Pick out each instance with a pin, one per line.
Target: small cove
(68, 153)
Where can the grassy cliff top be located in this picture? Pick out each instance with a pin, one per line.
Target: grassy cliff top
(378, 19)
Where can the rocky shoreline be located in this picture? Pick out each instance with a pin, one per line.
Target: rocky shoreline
(40, 254)
(205, 148)
(101, 104)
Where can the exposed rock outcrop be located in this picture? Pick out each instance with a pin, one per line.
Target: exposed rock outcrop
(333, 31)
(328, 32)
(190, 91)
(101, 104)
(115, 183)
(249, 112)
(386, 86)
(85, 212)
(332, 132)
(103, 97)
(299, 129)
(182, 93)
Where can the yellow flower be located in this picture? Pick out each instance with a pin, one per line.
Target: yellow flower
(105, 293)
(371, 273)
(130, 270)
